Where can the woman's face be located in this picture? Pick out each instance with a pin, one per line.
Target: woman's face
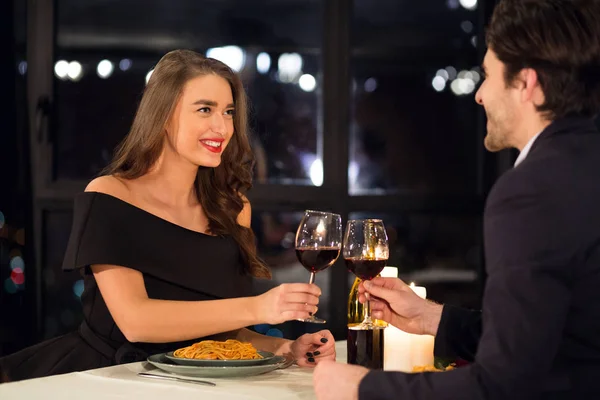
(202, 123)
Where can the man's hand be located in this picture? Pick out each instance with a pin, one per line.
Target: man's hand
(337, 381)
(395, 302)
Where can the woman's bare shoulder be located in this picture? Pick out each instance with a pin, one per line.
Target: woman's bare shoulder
(111, 185)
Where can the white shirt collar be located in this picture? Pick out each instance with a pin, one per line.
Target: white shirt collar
(525, 151)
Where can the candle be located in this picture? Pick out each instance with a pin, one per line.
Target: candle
(422, 354)
(419, 290)
(404, 351)
(394, 340)
(389, 272)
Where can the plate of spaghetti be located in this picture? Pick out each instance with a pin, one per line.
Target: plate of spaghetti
(219, 353)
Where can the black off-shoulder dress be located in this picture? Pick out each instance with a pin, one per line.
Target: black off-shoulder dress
(176, 263)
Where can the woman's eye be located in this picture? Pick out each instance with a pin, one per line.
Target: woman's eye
(204, 109)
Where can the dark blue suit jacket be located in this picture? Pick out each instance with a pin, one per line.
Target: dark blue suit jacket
(538, 335)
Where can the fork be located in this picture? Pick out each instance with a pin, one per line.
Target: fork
(175, 378)
(287, 363)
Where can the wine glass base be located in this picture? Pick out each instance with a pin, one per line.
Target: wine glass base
(312, 319)
(364, 326)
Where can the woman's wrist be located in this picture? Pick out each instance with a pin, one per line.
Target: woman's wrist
(285, 348)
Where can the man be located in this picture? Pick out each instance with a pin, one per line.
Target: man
(538, 335)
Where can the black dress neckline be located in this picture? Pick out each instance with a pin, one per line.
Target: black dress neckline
(145, 212)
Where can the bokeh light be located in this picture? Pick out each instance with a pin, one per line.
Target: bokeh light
(307, 82)
(22, 67)
(438, 83)
(9, 286)
(105, 69)
(263, 63)
(233, 56)
(125, 64)
(78, 288)
(17, 276)
(370, 85)
(75, 71)
(61, 69)
(468, 4)
(17, 262)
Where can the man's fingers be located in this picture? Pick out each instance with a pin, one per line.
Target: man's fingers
(378, 305)
(379, 291)
(388, 283)
(395, 284)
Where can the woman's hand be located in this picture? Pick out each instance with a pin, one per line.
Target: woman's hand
(287, 302)
(311, 348)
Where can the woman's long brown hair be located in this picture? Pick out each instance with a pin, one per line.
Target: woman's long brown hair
(218, 189)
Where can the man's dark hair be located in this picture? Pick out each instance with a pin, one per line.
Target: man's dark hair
(560, 39)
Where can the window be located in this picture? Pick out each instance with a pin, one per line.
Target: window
(105, 50)
(414, 75)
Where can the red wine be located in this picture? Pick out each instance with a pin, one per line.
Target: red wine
(365, 347)
(316, 260)
(365, 269)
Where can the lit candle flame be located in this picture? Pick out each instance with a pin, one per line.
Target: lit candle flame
(321, 228)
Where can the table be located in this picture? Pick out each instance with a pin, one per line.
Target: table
(122, 382)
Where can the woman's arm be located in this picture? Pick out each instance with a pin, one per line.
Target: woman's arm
(274, 345)
(142, 319)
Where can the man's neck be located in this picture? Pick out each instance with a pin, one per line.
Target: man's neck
(530, 130)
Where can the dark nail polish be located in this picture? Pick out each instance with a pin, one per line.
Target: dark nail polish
(316, 353)
(310, 359)
(309, 354)
(323, 340)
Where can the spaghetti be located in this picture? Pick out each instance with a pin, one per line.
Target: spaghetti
(215, 350)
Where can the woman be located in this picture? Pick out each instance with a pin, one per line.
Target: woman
(164, 237)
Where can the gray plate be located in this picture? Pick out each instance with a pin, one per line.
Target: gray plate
(220, 363)
(163, 363)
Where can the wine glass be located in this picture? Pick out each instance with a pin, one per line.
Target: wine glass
(318, 244)
(365, 252)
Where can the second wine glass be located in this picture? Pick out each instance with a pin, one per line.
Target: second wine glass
(366, 252)
(318, 244)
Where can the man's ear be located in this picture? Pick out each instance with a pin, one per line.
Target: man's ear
(531, 90)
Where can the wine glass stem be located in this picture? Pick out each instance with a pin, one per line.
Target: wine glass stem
(311, 281)
(367, 319)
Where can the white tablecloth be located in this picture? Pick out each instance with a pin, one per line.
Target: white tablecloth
(122, 382)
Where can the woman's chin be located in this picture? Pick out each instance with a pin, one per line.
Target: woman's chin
(206, 163)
